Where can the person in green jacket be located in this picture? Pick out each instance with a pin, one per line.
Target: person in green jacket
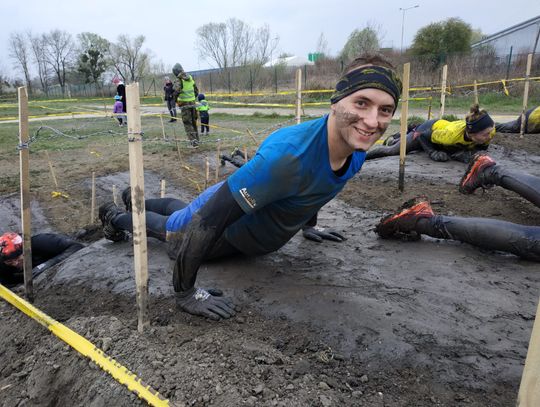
(187, 93)
(203, 108)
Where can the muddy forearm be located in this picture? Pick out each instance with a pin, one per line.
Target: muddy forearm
(205, 228)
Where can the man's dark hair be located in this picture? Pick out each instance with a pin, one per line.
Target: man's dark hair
(368, 59)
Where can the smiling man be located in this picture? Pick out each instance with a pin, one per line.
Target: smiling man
(295, 172)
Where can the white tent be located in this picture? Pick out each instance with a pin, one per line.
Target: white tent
(289, 61)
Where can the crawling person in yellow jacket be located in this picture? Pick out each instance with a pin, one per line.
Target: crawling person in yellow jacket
(443, 140)
(532, 123)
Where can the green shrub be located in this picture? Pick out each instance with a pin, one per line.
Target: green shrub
(450, 117)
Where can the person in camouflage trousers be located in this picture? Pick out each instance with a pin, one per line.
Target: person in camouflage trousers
(187, 93)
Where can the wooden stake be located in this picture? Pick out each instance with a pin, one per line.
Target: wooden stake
(114, 194)
(443, 90)
(162, 127)
(245, 154)
(207, 173)
(250, 133)
(218, 159)
(525, 95)
(429, 108)
(136, 176)
(162, 193)
(475, 92)
(403, 128)
(51, 168)
(298, 95)
(24, 158)
(93, 199)
(529, 388)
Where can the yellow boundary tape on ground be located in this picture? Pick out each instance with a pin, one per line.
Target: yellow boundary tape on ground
(86, 348)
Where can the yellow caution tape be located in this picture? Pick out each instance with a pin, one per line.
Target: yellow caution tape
(95, 153)
(255, 104)
(504, 87)
(56, 194)
(88, 349)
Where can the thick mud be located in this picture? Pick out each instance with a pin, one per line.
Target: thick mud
(365, 322)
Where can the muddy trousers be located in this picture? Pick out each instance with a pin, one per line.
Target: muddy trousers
(514, 126)
(189, 118)
(157, 213)
(385, 151)
(523, 241)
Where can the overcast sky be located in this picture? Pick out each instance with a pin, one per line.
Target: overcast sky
(170, 26)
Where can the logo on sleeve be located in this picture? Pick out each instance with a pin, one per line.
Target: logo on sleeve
(247, 197)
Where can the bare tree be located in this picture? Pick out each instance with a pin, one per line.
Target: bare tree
(128, 58)
(59, 52)
(37, 44)
(322, 46)
(18, 50)
(234, 43)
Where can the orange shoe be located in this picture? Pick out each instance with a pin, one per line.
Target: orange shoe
(472, 179)
(404, 222)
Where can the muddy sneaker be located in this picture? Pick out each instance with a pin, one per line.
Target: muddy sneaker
(404, 221)
(107, 212)
(472, 179)
(126, 198)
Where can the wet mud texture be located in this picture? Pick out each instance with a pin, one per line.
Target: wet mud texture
(366, 322)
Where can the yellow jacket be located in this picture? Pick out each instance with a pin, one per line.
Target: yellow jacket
(452, 134)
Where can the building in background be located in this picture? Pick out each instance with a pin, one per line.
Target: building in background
(519, 39)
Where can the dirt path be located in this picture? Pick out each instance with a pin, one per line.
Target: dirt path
(366, 322)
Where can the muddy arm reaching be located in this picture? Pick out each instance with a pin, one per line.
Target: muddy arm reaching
(202, 233)
(313, 232)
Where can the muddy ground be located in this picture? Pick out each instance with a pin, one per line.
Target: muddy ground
(366, 322)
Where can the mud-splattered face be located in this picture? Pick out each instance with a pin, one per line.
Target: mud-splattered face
(481, 137)
(361, 118)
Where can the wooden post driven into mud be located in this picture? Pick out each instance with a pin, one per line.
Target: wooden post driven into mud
(93, 199)
(525, 95)
(24, 158)
(245, 154)
(443, 89)
(218, 159)
(136, 177)
(529, 388)
(298, 95)
(114, 194)
(162, 127)
(403, 128)
(206, 173)
(162, 188)
(475, 92)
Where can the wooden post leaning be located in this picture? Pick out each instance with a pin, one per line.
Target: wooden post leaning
(525, 95)
(24, 158)
(51, 168)
(443, 90)
(475, 92)
(403, 127)
(136, 177)
(93, 199)
(529, 388)
(298, 95)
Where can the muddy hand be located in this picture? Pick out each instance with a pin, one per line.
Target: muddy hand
(440, 156)
(318, 234)
(197, 301)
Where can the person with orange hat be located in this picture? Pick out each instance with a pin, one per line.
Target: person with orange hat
(48, 249)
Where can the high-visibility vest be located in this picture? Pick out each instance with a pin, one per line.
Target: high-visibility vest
(187, 94)
(203, 106)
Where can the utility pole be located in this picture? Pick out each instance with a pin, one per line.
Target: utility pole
(403, 22)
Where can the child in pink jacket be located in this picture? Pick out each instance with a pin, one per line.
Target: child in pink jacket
(118, 110)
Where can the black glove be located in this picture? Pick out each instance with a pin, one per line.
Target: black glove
(197, 301)
(462, 156)
(317, 234)
(438, 156)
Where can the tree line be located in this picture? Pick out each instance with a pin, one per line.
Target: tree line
(57, 57)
